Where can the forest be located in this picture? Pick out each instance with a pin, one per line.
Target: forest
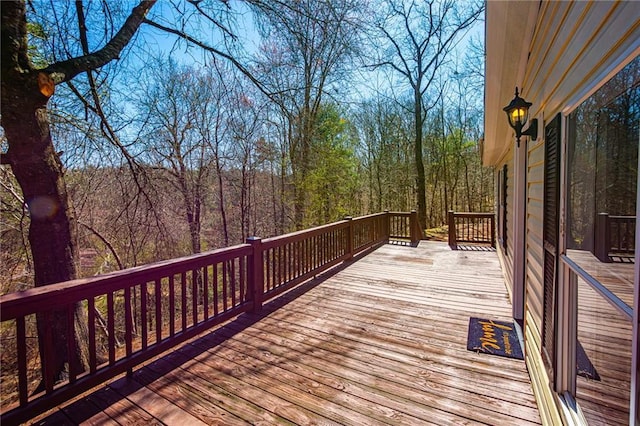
(221, 120)
(138, 132)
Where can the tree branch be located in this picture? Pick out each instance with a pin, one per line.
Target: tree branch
(104, 241)
(67, 70)
(215, 51)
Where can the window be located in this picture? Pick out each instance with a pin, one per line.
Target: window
(602, 171)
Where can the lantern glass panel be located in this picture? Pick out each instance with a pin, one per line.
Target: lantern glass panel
(518, 116)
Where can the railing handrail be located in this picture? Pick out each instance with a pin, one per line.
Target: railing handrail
(247, 275)
(22, 303)
(299, 235)
(474, 214)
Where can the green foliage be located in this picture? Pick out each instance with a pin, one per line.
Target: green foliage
(37, 36)
(333, 178)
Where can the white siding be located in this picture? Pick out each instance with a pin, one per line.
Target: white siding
(534, 258)
(575, 45)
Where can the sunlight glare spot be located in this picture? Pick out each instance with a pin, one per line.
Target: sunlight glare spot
(43, 207)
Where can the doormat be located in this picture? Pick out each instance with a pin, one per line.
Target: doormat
(493, 337)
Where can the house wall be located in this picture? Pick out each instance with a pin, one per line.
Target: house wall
(574, 49)
(534, 254)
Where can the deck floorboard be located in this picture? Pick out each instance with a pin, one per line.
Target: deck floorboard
(381, 340)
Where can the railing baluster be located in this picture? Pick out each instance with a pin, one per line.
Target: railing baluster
(91, 324)
(216, 307)
(172, 305)
(287, 263)
(271, 261)
(183, 299)
(332, 245)
(472, 229)
(194, 296)
(21, 347)
(325, 250)
(111, 325)
(295, 264)
(224, 287)
(158, 301)
(128, 321)
(280, 268)
(283, 265)
(48, 353)
(233, 282)
(71, 344)
(242, 265)
(205, 291)
(300, 258)
(295, 260)
(143, 315)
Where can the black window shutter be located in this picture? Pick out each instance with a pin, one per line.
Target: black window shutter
(550, 239)
(504, 206)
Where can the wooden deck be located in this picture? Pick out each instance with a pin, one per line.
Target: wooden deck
(379, 341)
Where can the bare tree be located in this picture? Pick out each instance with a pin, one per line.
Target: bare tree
(246, 130)
(419, 36)
(180, 108)
(309, 42)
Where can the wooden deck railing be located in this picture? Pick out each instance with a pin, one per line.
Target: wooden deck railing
(614, 236)
(403, 225)
(477, 228)
(136, 314)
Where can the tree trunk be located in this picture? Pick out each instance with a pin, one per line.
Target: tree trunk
(420, 178)
(300, 180)
(223, 211)
(52, 228)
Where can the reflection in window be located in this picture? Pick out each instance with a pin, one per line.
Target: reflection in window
(604, 133)
(603, 359)
(603, 159)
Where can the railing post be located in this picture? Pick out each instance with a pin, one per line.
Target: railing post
(414, 227)
(255, 274)
(387, 225)
(350, 243)
(602, 241)
(451, 221)
(493, 230)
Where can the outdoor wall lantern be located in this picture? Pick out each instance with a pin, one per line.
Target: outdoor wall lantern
(518, 115)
